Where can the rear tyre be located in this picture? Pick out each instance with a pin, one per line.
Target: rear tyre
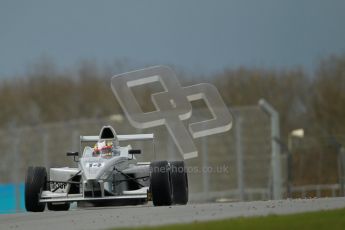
(58, 207)
(35, 183)
(160, 184)
(179, 181)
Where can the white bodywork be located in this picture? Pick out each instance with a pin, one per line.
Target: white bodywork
(99, 178)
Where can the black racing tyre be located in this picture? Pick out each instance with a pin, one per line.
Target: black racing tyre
(58, 207)
(35, 183)
(179, 181)
(160, 183)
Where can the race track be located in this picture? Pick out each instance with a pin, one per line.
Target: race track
(103, 218)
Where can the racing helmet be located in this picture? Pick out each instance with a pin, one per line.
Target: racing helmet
(104, 149)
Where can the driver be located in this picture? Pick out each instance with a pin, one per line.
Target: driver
(103, 148)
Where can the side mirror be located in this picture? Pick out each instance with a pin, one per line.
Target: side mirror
(72, 154)
(134, 151)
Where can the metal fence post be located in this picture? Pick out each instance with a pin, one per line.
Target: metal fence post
(341, 170)
(239, 158)
(275, 155)
(45, 144)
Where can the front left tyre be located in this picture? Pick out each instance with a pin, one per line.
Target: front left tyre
(160, 183)
(35, 183)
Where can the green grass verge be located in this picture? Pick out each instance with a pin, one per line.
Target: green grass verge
(330, 220)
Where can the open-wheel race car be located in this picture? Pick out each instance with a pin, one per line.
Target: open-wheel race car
(107, 174)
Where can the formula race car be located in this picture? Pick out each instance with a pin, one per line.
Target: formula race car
(107, 174)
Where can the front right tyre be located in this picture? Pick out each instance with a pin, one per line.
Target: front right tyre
(35, 183)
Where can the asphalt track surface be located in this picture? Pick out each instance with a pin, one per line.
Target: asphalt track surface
(147, 215)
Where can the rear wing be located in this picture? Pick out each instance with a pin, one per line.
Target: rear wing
(131, 137)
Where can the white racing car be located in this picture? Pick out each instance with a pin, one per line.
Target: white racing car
(107, 174)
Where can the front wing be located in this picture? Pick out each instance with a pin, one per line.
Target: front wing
(53, 197)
